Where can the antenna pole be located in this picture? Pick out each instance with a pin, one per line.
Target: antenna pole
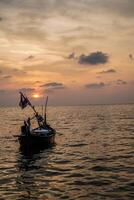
(45, 116)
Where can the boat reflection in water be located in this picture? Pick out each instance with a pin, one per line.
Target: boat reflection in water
(31, 164)
(29, 150)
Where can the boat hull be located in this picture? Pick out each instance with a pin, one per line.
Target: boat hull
(36, 141)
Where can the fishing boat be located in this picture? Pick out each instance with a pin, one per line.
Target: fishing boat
(41, 136)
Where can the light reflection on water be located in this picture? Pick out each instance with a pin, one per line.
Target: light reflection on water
(93, 157)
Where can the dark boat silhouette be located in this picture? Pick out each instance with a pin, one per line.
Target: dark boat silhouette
(41, 136)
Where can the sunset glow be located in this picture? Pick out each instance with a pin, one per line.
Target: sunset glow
(36, 96)
(77, 52)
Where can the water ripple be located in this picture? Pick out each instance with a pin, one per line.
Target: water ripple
(92, 158)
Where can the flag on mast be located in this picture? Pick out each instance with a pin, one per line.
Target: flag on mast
(23, 101)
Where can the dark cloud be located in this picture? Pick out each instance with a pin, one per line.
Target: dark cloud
(7, 76)
(1, 19)
(107, 71)
(50, 87)
(95, 85)
(52, 84)
(121, 82)
(29, 57)
(94, 58)
(131, 56)
(71, 56)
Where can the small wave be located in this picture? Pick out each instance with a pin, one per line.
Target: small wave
(78, 145)
(52, 173)
(100, 168)
(62, 161)
(100, 183)
(75, 175)
(93, 182)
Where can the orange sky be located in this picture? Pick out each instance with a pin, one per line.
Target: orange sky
(77, 52)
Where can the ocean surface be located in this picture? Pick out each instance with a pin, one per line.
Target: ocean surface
(93, 158)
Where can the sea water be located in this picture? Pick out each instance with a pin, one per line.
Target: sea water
(93, 157)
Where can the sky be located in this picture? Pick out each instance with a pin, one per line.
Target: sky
(78, 52)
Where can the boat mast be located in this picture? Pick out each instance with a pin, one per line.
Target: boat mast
(45, 115)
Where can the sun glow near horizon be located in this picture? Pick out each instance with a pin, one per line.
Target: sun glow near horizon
(36, 96)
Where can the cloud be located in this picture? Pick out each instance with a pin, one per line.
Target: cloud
(12, 71)
(1, 19)
(95, 85)
(131, 56)
(2, 91)
(71, 56)
(7, 76)
(27, 90)
(50, 87)
(102, 84)
(94, 58)
(121, 7)
(37, 82)
(73, 8)
(107, 71)
(121, 82)
(19, 71)
(29, 57)
(59, 87)
(52, 84)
